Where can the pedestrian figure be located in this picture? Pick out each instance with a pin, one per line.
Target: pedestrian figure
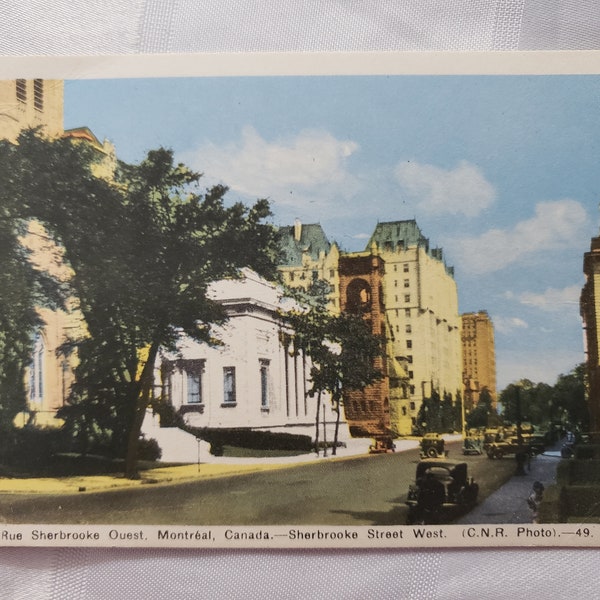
(535, 499)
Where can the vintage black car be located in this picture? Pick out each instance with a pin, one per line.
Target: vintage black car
(432, 446)
(441, 492)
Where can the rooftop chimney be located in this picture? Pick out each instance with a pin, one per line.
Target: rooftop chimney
(297, 230)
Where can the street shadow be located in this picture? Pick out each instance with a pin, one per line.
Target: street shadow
(395, 516)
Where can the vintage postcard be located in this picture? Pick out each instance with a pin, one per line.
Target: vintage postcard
(300, 301)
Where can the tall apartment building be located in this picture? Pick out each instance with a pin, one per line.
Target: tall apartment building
(421, 303)
(306, 256)
(590, 313)
(479, 358)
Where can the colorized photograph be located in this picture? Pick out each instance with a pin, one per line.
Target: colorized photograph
(325, 300)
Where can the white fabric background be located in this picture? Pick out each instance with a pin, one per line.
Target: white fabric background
(74, 27)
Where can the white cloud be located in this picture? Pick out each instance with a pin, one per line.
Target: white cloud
(507, 325)
(462, 190)
(553, 300)
(556, 224)
(307, 168)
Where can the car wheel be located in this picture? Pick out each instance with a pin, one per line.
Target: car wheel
(432, 453)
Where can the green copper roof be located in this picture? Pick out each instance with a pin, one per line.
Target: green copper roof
(393, 232)
(312, 241)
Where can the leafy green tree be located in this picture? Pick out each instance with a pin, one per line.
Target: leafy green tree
(480, 415)
(569, 400)
(144, 245)
(342, 349)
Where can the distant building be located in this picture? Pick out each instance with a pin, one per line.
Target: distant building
(479, 358)
(421, 307)
(254, 378)
(307, 255)
(590, 313)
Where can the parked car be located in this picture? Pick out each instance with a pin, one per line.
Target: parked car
(512, 446)
(433, 446)
(442, 491)
(472, 445)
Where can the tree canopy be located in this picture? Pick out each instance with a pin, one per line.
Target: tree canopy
(342, 348)
(144, 243)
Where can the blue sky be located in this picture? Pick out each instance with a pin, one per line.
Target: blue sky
(503, 172)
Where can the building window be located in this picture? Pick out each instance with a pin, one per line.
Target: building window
(395, 283)
(408, 328)
(411, 374)
(22, 90)
(264, 384)
(409, 343)
(407, 312)
(406, 297)
(409, 358)
(406, 283)
(38, 94)
(229, 385)
(405, 267)
(331, 273)
(291, 275)
(194, 387)
(36, 374)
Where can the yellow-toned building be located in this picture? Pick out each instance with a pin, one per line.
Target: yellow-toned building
(421, 303)
(306, 256)
(479, 358)
(39, 103)
(422, 323)
(590, 313)
(31, 103)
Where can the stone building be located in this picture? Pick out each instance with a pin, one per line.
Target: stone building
(479, 358)
(39, 103)
(361, 293)
(31, 103)
(307, 255)
(253, 378)
(590, 313)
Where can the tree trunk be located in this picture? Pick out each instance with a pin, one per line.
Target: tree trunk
(317, 423)
(142, 402)
(337, 426)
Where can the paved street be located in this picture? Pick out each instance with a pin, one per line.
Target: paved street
(362, 490)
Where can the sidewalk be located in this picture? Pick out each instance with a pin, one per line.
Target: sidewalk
(508, 504)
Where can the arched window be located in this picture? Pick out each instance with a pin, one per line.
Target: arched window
(358, 296)
(36, 370)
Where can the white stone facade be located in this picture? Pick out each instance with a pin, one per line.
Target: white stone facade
(253, 378)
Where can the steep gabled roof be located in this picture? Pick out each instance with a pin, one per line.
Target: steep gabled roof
(407, 232)
(311, 240)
